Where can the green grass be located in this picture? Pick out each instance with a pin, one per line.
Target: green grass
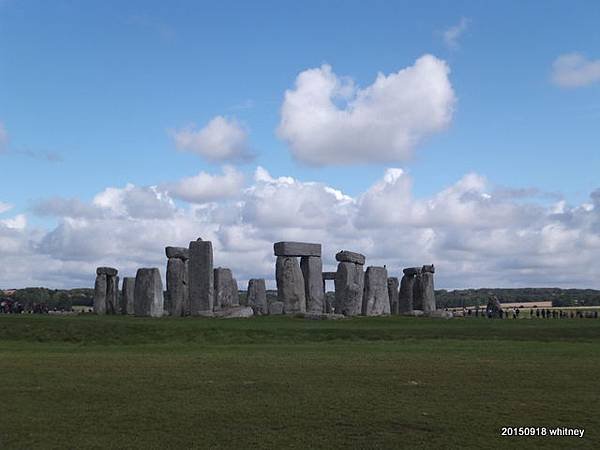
(122, 382)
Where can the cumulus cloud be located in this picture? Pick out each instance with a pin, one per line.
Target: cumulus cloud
(222, 139)
(205, 187)
(476, 234)
(327, 119)
(452, 34)
(573, 70)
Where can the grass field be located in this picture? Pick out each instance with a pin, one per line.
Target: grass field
(120, 382)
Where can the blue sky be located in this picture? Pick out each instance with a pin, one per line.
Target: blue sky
(91, 94)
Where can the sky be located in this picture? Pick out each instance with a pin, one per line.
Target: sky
(463, 134)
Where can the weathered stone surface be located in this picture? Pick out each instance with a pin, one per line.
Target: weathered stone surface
(351, 257)
(296, 249)
(177, 252)
(441, 314)
(349, 286)
(107, 271)
(176, 287)
(100, 294)
(412, 271)
(148, 297)
(418, 293)
(405, 298)
(290, 285)
(275, 308)
(226, 292)
(201, 278)
(186, 290)
(257, 296)
(428, 268)
(494, 308)
(236, 312)
(329, 275)
(127, 295)
(376, 301)
(309, 316)
(112, 294)
(428, 292)
(312, 272)
(393, 294)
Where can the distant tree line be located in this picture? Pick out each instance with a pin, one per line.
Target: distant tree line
(53, 298)
(558, 297)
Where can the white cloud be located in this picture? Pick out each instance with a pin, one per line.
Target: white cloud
(5, 207)
(574, 70)
(328, 120)
(222, 139)
(475, 236)
(452, 34)
(205, 187)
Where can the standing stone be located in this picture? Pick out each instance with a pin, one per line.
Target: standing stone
(275, 308)
(112, 294)
(186, 289)
(201, 278)
(312, 271)
(405, 300)
(376, 300)
(148, 293)
(349, 285)
(176, 287)
(418, 293)
(100, 294)
(392, 284)
(257, 296)
(235, 293)
(427, 289)
(127, 294)
(290, 285)
(226, 294)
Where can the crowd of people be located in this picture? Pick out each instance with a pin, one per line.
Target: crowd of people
(537, 313)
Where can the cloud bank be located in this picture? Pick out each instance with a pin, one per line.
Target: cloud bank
(574, 70)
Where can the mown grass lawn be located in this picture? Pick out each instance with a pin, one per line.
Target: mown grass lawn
(276, 382)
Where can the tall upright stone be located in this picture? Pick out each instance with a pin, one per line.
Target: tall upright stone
(148, 293)
(201, 278)
(127, 295)
(427, 288)
(257, 296)
(112, 294)
(393, 293)
(176, 287)
(376, 300)
(226, 289)
(418, 292)
(100, 294)
(349, 286)
(290, 285)
(312, 272)
(405, 300)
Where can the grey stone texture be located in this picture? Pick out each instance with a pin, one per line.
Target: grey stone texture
(393, 294)
(494, 307)
(257, 296)
(352, 257)
(107, 271)
(418, 293)
(376, 300)
(412, 271)
(177, 290)
(226, 289)
(329, 275)
(296, 249)
(405, 298)
(428, 293)
(236, 312)
(276, 308)
(112, 294)
(349, 286)
(100, 294)
(428, 268)
(312, 272)
(177, 252)
(290, 285)
(148, 297)
(201, 278)
(127, 295)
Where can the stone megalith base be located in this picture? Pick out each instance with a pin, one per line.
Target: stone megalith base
(376, 300)
(428, 292)
(312, 272)
(100, 294)
(127, 295)
(257, 296)
(226, 289)
(176, 286)
(290, 285)
(112, 294)
(148, 293)
(349, 286)
(201, 278)
(393, 294)
(405, 299)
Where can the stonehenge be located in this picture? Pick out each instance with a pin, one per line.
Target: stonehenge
(106, 291)
(148, 300)
(195, 288)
